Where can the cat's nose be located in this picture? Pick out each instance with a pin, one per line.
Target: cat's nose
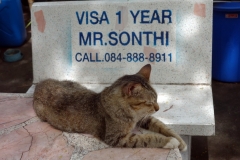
(156, 106)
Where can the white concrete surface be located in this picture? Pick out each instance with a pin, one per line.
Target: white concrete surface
(55, 39)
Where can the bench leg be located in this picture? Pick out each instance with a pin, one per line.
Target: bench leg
(187, 154)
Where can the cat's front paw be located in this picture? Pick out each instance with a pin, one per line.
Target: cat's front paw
(173, 143)
(183, 146)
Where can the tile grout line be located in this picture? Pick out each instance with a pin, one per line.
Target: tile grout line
(12, 128)
(30, 144)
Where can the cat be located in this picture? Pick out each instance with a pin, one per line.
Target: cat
(111, 115)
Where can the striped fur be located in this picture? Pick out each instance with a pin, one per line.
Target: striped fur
(111, 115)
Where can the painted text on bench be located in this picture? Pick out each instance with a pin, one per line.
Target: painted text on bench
(144, 16)
(124, 34)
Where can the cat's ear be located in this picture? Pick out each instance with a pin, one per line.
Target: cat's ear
(132, 89)
(145, 71)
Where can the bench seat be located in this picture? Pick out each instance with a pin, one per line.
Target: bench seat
(188, 109)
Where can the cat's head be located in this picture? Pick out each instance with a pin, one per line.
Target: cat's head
(137, 93)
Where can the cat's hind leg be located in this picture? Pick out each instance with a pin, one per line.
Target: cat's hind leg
(40, 110)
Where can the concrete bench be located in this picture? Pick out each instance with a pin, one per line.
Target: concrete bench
(118, 38)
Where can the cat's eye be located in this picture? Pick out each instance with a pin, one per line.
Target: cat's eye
(139, 103)
(149, 103)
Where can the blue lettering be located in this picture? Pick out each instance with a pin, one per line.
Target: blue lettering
(134, 16)
(166, 14)
(124, 38)
(167, 39)
(85, 57)
(93, 15)
(138, 39)
(80, 20)
(94, 19)
(97, 60)
(97, 36)
(147, 36)
(86, 41)
(104, 18)
(76, 57)
(87, 17)
(155, 38)
(113, 38)
(91, 60)
(119, 17)
(144, 16)
(120, 38)
(155, 16)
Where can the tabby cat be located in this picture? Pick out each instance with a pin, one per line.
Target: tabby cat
(111, 115)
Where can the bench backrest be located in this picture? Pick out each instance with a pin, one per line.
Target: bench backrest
(96, 42)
